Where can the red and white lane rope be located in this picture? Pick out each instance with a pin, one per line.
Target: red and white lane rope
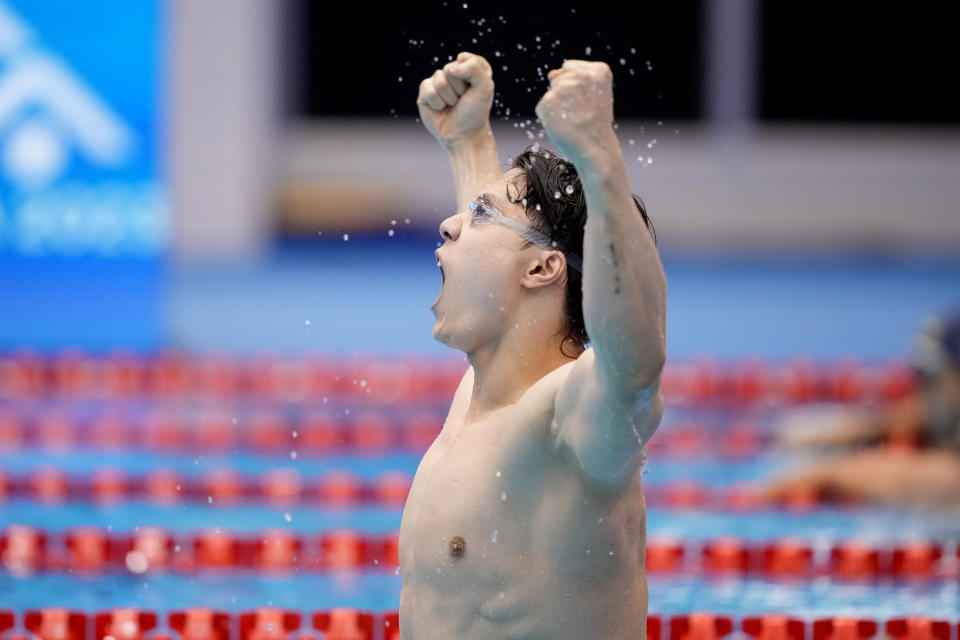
(286, 487)
(271, 623)
(25, 550)
(415, 379)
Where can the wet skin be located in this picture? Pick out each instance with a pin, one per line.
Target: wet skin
(504, 537)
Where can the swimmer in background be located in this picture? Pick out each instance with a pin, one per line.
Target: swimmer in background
(526, 517)
(887, 466)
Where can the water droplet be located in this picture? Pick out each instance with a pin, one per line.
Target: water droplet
(493, 536)
(556, 195)
(537, 206)
(346, 237)
(293, 455)
(588, 50)
(295, 434)
(639, 158)
(400, 79)
(306, 322)
(569, 189)
(396, 571)
(390, 233)
(363, 383)
(210, 499)
(498, 474)
(503, 495)
(287, 516)
(622, 61)
(464, 5)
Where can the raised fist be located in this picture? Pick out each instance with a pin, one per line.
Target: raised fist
(577, 109)
(455, 101)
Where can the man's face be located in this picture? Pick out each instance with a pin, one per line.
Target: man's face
(482, 266)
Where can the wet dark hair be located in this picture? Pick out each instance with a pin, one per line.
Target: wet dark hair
(560, 213)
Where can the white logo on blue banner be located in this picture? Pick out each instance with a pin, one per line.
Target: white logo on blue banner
(78, 155)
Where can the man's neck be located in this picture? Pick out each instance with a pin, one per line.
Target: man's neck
(504, 371)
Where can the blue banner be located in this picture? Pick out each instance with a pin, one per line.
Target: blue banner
(84, 221)
(79, 125)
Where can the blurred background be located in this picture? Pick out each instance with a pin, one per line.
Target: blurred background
(218, 217)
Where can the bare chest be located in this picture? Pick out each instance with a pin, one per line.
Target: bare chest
(498, 505)
(469, 509)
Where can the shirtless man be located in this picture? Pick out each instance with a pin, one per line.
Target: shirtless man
(526, 517)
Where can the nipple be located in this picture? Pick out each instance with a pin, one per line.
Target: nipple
(458, 546)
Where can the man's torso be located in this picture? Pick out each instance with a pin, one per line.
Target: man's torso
(504, 537)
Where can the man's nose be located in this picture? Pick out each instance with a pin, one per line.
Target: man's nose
(450, 228)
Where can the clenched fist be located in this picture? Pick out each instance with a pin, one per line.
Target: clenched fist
(455, 101)
(577, 109)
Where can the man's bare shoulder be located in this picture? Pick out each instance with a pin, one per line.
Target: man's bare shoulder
(544, 391)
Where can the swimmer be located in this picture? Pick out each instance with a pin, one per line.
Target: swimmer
(883, 470)
(526, 517)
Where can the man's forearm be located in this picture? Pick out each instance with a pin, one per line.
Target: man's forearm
(475, 162)
(624, 288)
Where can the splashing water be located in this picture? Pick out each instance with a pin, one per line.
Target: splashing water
(287, 516)
(569, 189)
(556, 195)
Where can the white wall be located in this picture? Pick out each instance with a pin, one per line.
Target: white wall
(223, 114)
(781, 187)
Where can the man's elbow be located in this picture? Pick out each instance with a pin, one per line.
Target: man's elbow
(642, 379)
(649, 372)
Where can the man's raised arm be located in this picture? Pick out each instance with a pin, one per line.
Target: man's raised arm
(614, 395)
(455, 106)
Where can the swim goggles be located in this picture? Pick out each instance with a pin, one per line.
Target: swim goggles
(482, 212)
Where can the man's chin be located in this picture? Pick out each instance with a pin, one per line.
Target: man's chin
(443, 336)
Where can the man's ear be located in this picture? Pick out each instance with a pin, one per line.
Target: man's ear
(546, 269)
